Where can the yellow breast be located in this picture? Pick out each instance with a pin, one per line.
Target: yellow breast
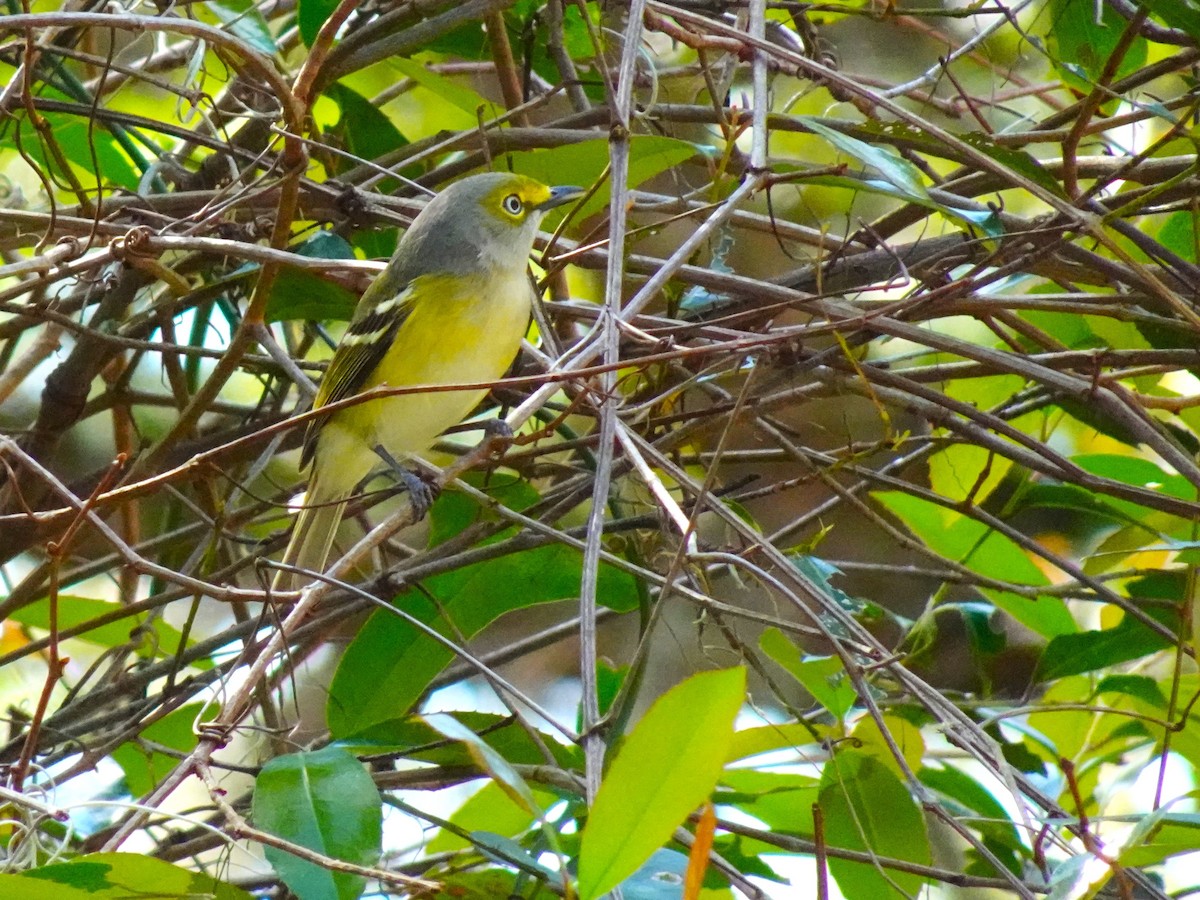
(458, 331)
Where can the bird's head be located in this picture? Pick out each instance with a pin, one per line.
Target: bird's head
(484, 221)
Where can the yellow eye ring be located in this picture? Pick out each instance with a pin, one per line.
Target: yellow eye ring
(512, 205)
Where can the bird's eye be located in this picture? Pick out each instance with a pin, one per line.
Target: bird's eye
(512, 205)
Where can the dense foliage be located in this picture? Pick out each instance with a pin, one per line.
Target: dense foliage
(848, 540)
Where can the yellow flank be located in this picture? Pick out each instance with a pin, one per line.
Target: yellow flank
(458, 331)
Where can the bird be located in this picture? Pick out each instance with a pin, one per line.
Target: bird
(450, 307)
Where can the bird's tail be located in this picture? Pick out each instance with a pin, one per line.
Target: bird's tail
(312, 536)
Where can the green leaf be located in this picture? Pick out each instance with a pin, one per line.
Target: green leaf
(1149, 525)
(76, 611)
(311, 15)
(1159, 836)
(1096, 418)
(985, 221)
(417, 740)
(788, 736)
(896, 171)
(1142, 687)
(390, 650)
(961, 470)
(467, 42)
(1089, 651)
(574, 33)
(508, 852)
(300, 294)
(487, 759)
(455, 511)
(1069, 329)
(1066, 498)
(659, 878)
(919, 140)
(1178, 234)
(1017, 753)
(868, 185)
(1083, 36)
(243, 19)
(1182, 15)
(822, 676)
(1046, 615)
(78, 141)
(145, 766)
(901, 181)
(376, 243)
(324, 801)
(608, 683)
(1136, 471)
(324, 244)
(867, 808)
(483, 884)
(745, 855)
(960, 538)
(1070, 877)
(440, 86)
(965, 540)
(782, 802)
(985, 633)
(668, 765)
(363, 130)
(1091, 736)
(1019, 161)
(29, 887)
(116, 876)
(488, 808)
(820, 572)
(988, 391)
(868, 740)
(988, 816)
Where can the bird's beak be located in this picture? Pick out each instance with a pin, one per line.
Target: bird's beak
(559, 196)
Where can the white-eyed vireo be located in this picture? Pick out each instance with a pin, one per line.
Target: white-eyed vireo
(450, 308)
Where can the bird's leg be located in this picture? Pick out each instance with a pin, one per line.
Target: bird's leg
(421, 491)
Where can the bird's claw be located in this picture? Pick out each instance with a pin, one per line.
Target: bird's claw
(422, 491)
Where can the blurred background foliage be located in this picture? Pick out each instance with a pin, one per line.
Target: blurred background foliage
(868, 369)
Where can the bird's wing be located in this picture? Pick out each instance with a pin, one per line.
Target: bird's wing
(361, 349)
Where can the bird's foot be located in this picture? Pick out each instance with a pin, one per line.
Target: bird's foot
(422, 489)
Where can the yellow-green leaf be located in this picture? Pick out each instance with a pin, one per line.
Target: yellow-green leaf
(667, 767)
